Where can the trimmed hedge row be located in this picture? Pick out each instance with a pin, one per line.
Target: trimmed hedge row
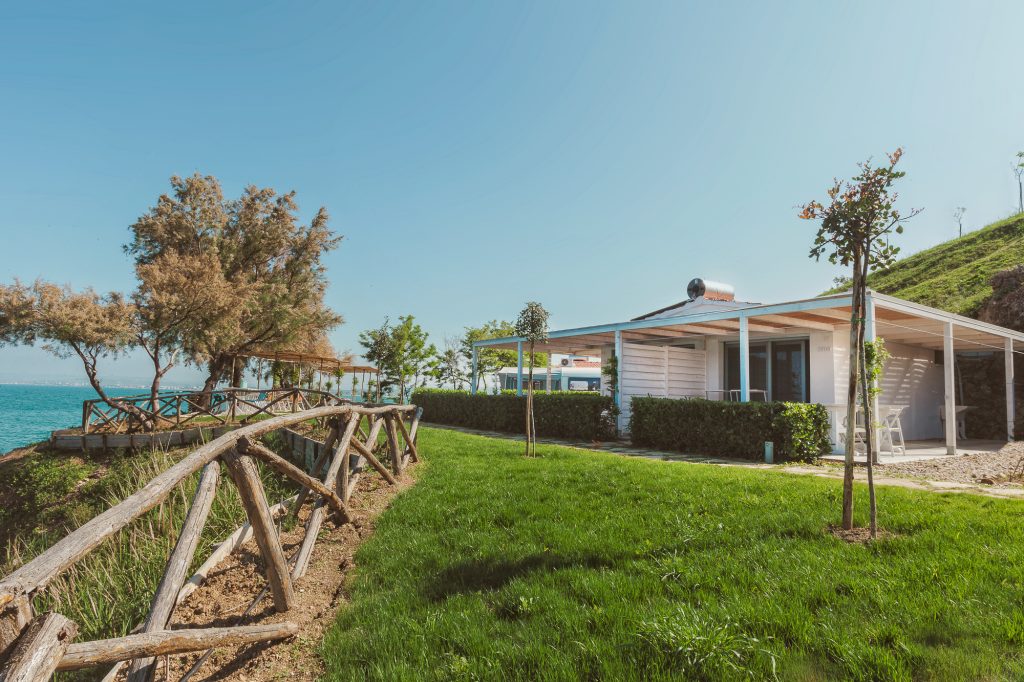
(800, 431)
(560, 414)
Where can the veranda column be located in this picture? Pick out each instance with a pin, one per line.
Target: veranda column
(1010, 406)
(618, 369)
(948, 360)
(519, 370)
(744, 360)
(876, 416)
(472, 385)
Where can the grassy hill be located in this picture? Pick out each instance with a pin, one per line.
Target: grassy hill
(954, 275)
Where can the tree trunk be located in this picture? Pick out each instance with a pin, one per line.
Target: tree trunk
(851, 397)
(216, 368)
(529, 405)
(869, 431)
(89, 362)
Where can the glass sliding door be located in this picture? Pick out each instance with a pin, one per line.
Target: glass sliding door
(758, 366)
(780, 368)
(789, 371)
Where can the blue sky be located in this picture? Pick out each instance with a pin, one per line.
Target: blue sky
(593, 156)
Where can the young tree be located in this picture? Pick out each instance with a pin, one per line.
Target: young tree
(68, 324)
(401, 353)
(958, 215)
(260, 248)
(1018, 171)
(532, 325)
(447, 365)
(855, 225)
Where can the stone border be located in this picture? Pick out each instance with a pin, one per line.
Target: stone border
(68, 439)
(304, 451)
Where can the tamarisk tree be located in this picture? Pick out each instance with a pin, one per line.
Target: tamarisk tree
(532, 326)
(67, 324)
(855, 225)
(262, 251)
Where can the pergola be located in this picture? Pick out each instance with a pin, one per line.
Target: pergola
(322, 363)
(888, 317)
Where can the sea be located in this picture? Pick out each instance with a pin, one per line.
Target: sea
(29, 413)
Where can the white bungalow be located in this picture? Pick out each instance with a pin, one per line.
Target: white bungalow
(712, 346)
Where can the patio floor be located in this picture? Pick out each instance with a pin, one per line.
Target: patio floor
(922, 450)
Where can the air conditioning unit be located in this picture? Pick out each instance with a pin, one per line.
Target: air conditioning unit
(566, 362)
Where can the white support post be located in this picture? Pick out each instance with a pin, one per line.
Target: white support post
(744, 360)
(1010, 400)
(618, 369)
(547, 379)
(473, 371)
(519, 366)
(869, 336)
(948, 359)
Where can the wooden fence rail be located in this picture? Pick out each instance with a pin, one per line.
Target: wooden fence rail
(222, 406)
(35, 646)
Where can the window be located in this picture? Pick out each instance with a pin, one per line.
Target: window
(781, 368)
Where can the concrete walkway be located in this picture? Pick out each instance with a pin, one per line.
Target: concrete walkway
(821, 471)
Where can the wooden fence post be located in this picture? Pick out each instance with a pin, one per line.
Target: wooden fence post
(40, 649)
(392, 433)
(14, 618)
(254, 499)
(177, 566)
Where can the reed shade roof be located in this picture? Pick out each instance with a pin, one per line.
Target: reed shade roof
(323, 363)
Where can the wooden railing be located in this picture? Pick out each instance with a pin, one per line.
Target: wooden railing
(37, 646)
(222, 406)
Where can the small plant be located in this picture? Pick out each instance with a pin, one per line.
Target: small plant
(697, 647)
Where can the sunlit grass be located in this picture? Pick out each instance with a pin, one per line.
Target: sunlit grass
(582, 565)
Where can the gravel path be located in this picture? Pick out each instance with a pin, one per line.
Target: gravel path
(990, 468)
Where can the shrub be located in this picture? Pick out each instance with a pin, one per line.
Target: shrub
(560, 414)
(800, 431)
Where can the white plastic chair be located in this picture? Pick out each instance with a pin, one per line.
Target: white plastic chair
(892, 428)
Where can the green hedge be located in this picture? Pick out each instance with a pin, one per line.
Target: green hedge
(560, 414)
(800, 431)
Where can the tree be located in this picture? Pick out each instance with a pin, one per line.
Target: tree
(1018, 171)
(447, 365)
(958, 215)
(261, 249)
(490, 360)
(401, 353)
(68, 324)
(180, 299)
(532, 326)
(855, 226)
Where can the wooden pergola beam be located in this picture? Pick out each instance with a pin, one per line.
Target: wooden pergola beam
(793, 321)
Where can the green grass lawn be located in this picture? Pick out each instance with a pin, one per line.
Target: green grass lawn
(582, 565)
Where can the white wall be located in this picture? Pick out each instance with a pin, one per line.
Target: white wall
(910, 378)
(661, 371)
(821, 364)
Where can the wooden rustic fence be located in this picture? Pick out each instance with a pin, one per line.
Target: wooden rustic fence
(176, 410)
(36, 646)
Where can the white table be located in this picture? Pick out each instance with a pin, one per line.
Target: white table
(961, 420)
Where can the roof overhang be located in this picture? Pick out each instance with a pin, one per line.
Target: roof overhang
(896, 320)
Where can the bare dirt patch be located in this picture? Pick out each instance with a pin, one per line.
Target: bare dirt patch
(859, 536)
(231, 588)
